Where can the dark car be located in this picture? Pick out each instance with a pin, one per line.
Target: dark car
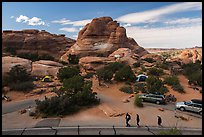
(158, 99)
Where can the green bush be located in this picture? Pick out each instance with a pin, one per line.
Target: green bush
(125, 74)
(136, 64)
(193, 71)
(89, 75)
(73, 59)
(178, 88)
(104, 74)
(173, 131)
(18, 79)
(156, 72)
(154, 84)
(11, 50)
(73, 84)
(36, 57)
(67, 72)
(138, 101)
(18, 74)
(174, 82)
(115, 66)
(140, 87)
(126, 89)
(22, 86)
(67, 102)
(150, 60)
(171, 80)
(143, 69)
(162, 65)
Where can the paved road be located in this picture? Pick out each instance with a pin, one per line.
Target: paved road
(15, 106)
(95, 131)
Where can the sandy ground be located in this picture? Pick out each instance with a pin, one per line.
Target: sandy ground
(111, 103)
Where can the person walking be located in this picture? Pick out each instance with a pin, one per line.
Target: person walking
(127, 117)
(138, 120)
(159, 120)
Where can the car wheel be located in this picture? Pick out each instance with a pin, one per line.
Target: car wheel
(158, 102)
(182, 108)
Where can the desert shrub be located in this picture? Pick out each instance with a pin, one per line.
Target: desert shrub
(125, 74)
(73, 59)
(18, 74)
(150, 60)
(162, 65)
(140, 87)
(143, 69)
(136, 64)
(104, 74)
(19, 79)
(172, 131)
(156, 72)
(126, 89)
(171, 80)
(115, 66)
(89, 75)
(35, 57)
(67, 72)
(10, 50)
(178, 88)
(154, 84)
(46, 57)
(67, 102)
(73, 84)
(174, 82)
(63, 62)
(193, 71)
(22, 86)
(138, 101)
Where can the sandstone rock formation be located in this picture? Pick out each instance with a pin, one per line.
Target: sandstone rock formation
(45, 67)
(9, 62)
(36, 42)
(102, 37)
(188, 55)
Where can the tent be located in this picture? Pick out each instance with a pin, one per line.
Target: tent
(141, 77)
(47, 79)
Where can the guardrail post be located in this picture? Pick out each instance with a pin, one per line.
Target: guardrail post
(78, 130)
(114, 130)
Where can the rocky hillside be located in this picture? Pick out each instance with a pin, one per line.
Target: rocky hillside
(102, 37)
(35, 42)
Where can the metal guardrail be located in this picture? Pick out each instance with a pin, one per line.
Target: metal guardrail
(146, 130)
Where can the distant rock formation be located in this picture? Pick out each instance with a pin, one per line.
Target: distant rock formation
(35, 42)
(102, 37)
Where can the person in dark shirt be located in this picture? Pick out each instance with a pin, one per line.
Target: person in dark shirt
(127, 117)
(159, 120)
(138, 120)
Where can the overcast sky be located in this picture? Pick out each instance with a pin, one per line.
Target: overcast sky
(151, 24)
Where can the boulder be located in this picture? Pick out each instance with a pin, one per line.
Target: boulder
(45, 67)
(8, 62)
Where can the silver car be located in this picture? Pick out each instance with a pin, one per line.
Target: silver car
(189, 106)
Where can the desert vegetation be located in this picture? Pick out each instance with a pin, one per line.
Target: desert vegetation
(19, 79)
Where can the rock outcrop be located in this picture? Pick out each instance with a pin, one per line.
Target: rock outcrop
(102, 37)
(38, 68)
(9, 62)
(45, 67)
(35, 42)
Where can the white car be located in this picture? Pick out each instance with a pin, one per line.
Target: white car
(190, 106)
